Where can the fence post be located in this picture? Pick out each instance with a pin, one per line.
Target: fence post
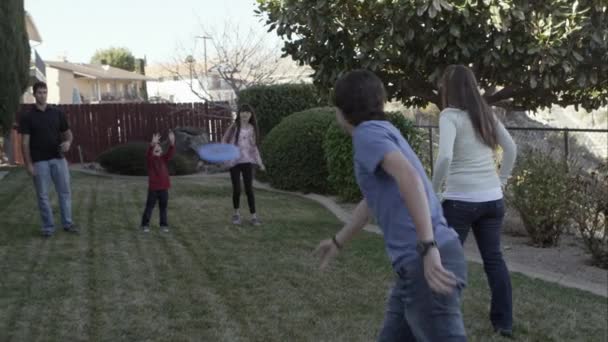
(566, 144)
(431, 149)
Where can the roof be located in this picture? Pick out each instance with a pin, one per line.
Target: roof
(98, 71)
(32, 30)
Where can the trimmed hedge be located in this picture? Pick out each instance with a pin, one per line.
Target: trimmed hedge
(539, 190)
(293, 151)
(126, 159)
(274, 102)
(338, 149)
(130, 159)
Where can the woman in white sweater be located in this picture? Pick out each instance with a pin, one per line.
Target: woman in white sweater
(469, 137)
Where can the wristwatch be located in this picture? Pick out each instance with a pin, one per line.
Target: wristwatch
(423, 247)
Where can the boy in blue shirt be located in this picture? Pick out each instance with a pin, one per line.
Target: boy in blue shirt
(424, 304)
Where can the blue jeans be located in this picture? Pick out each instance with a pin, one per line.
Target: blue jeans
(55, 170)
(486, 220)
(416, 313)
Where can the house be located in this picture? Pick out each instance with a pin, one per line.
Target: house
(74, 83)
(37, 68)
(181, 82)
(176, 83)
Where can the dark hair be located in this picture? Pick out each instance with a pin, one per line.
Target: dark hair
(458, 89)
(253, 121)
(39, 85)
(360, 95)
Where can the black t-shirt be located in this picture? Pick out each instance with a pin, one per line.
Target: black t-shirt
(44, 128)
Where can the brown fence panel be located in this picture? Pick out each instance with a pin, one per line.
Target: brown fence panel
(98, 127)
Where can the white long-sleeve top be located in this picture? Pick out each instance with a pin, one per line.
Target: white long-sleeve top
(466, 164)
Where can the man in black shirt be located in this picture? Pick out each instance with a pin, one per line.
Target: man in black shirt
(46, 137)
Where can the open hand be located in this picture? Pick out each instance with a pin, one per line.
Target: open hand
(439, 279)
(326, 251)
(65, 146)
(30, 170)
(171, 137)
(155, 139)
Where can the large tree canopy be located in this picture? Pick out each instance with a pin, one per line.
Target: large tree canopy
(117, 57)
(525, 53)
(14, 59)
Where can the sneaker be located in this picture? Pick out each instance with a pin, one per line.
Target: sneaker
(72, 229)
(236, 219)
(146, 229)
(256, 222)
(508, 333)
(164, 229)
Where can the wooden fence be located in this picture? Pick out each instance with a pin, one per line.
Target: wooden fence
(98, 127)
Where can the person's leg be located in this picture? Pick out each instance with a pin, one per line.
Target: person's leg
(163, 201)
(432, 316)
(395, 326)
(235, 177)
(459, 216)
(487, 232)
(42, 180)
(60, 174)
(150, 203)
(248, 182)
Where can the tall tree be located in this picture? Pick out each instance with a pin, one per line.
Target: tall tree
(14, 60)
(241, 58)
(115, 56)
(526, 54)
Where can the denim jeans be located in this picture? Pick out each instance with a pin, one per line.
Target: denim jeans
(55, 170)
(486, 221)
(416, 313)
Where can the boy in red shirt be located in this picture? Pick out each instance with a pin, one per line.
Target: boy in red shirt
(158, 181)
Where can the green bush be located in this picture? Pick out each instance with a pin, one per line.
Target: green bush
(339, 155)
(183, 164)
(589, 211)
(130, 159)
(540, 191)
(125, 159)
(293, 151)
(274, 102)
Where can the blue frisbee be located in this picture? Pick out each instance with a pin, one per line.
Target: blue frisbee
(218, 153)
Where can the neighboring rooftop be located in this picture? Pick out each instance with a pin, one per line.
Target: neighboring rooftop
(98, 71)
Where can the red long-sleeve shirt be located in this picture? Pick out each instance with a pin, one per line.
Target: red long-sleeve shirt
(158, 173)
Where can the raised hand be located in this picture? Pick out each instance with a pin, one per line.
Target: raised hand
(171, 137)
(155, 139)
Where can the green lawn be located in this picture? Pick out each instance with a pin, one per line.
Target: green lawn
(210, 281)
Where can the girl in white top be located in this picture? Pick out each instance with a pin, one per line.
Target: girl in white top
(469, 137)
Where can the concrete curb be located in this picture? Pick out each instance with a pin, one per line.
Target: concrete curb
(344, 216)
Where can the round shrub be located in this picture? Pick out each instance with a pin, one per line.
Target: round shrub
(274, 102)
(540, 190)
(338, 149)
(589, 211)
(183, 164)
(130, 159)
(125, 159)
(293, 151)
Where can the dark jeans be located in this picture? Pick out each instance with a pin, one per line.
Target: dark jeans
(415, 313)
(486, 220)
(235, 175)
(162, 196)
